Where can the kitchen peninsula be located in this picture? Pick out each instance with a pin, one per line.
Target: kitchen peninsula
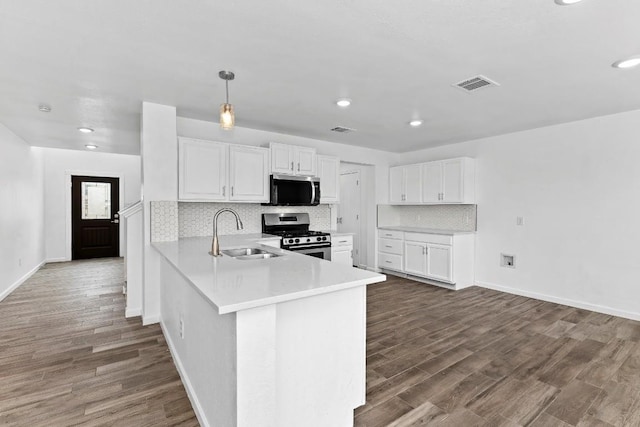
(270, 342)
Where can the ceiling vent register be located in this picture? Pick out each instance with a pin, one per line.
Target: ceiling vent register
(475, 83)
(342, 129)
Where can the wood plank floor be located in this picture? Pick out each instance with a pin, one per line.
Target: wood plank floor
(434, 357)
(69, 357)
(478, 357)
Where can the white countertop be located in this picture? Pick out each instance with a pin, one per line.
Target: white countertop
(337, 233)
(426, 230)
(232, 285)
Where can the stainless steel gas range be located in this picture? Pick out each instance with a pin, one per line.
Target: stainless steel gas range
(295, 233)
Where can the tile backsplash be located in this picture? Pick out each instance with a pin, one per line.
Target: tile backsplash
(443, 217)
(196, 219)
(164, 221)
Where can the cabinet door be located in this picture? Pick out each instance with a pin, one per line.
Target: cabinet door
(439, 264)
(431, 182)
(413, 183)
(396, 185)
(453, 181)
(281, 158)
(305, 161)
(329, 174)
(342, 257)
(202, 170)
(415, 258)
(249, 174)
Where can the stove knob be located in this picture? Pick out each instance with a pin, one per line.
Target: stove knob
(324, 238)
(308, 240)
(319, 239)
(290, 241)
(297, 240)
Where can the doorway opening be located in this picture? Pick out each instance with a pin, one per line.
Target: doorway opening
(95, 228)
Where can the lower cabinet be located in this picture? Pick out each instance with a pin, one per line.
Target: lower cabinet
(341, 248)
(446, 259)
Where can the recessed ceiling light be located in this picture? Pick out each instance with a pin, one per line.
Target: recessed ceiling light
(85, 130)
(44, 108)
(344, 102)
(91, 146)
(415, 123)
(567, 2)
(627, 63)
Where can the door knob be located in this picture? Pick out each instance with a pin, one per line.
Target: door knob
(115, 221)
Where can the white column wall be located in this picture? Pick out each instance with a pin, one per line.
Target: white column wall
(159, 150)
(21, 211)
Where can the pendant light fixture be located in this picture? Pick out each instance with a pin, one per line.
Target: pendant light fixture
(227, 118)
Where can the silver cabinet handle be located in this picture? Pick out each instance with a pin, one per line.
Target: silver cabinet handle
(224, 190)
(388, 234)
(342, 241)
(388, 262)
(388, 246)
(291, 166)
(424, 250)
(298, 166)
(232, 190)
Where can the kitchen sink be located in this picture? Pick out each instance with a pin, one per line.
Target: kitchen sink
(249, 253)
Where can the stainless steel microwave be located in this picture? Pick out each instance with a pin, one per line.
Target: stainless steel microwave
(289, 190)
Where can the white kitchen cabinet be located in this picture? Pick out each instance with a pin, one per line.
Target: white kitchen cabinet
(202, 170)
(405, 184)
(415, 258)
(292, 160)
(443, 259)
(449, 181)
(329, 174)
(248, 174)
(341, 249)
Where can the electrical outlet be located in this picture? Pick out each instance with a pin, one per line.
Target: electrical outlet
(181, 328)
(520, 220)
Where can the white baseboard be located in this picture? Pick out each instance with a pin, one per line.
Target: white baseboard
(564, 301)
(195, 404)
(150, 320)
(57, 260)
(20, 281)
(133, 312)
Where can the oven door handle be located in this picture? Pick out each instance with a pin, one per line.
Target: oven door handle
(313, 192)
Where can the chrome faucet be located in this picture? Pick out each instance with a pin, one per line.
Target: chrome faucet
(215, 247)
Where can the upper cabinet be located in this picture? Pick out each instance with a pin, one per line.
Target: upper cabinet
(329, 174)
(202, 170)
(440, 182)
(248, 174)
(405, 184)
(292, 160)
(215, 171)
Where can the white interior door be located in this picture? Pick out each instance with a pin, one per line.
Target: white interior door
(349, 210)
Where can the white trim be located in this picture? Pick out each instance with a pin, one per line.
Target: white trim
(564, 301)
(195, 404)
(20, 281)
(150, 320)
(67, 196)
(133, 312)
(48, 260)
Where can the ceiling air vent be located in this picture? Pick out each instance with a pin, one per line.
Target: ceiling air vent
(342, 129)
(475, 83)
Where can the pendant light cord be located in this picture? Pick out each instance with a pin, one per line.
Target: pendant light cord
(226, 82)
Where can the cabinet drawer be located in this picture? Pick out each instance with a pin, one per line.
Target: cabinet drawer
(391, 234)
(393, 262)
(439, 239)
(390, 246)
(342, 241)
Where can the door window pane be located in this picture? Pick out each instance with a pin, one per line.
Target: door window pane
(96, 200)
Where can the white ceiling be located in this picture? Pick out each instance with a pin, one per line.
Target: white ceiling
(95, 61)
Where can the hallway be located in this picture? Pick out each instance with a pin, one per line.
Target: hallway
(68, 356)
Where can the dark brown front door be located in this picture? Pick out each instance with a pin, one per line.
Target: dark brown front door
(95, 228)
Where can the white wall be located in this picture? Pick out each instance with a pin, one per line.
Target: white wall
(577, 185)
(21, 211)
(57, 164)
